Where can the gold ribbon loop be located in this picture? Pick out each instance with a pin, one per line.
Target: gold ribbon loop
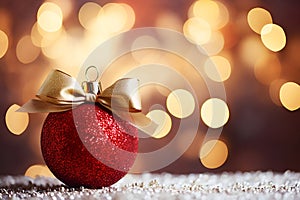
(60, 87)
(123, 95)
(61, 92)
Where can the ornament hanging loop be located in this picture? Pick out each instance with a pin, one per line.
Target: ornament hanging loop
(91, 86)
(89, 75)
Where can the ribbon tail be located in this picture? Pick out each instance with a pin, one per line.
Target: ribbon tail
(37, 106)
(140, 121)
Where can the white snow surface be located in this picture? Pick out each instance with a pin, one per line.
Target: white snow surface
(238, 185)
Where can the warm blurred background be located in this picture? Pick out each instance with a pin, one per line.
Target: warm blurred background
(254, 45)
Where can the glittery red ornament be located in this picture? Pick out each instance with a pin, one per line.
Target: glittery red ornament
(88, 146)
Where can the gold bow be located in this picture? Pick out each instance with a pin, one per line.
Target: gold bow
(61, 92)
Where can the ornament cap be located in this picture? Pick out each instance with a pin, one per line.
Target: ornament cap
(92, 87)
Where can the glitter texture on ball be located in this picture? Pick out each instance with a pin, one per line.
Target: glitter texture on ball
(82, 146)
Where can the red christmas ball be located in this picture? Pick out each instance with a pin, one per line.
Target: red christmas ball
(88, 146)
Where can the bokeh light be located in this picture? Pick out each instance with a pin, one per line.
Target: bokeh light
(217, 68)
(290, 95)
(67, 51)
(273, 37)
(145, 40)
(257, 18)
(213, 154)
(87, 13)
(36, 37)
(49, 38)
(51, 7)
(130, 17)
(42, 38)
(16, 122)
(214, 13)
(223, 17)
(38, 170)
(180, 103)
(116, 17)
(214, 113)
(66, 7)
(50, 21)
(57, 48)
(205, 9)
(50, 17)
(26, 52)
(163, 120)
(104, 22)
(197, 30)
(3, 43)
(214, 45)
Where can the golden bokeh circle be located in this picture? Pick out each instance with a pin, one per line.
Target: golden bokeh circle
(16, 122)
(273, 37)
(163, 120)
(3, 43)
(217, 68)
(213, 154)
(214, 113)
(38, 170)
(197, 30)
(257, 18)
(289, 95)
(180, 103)
(26, 51)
